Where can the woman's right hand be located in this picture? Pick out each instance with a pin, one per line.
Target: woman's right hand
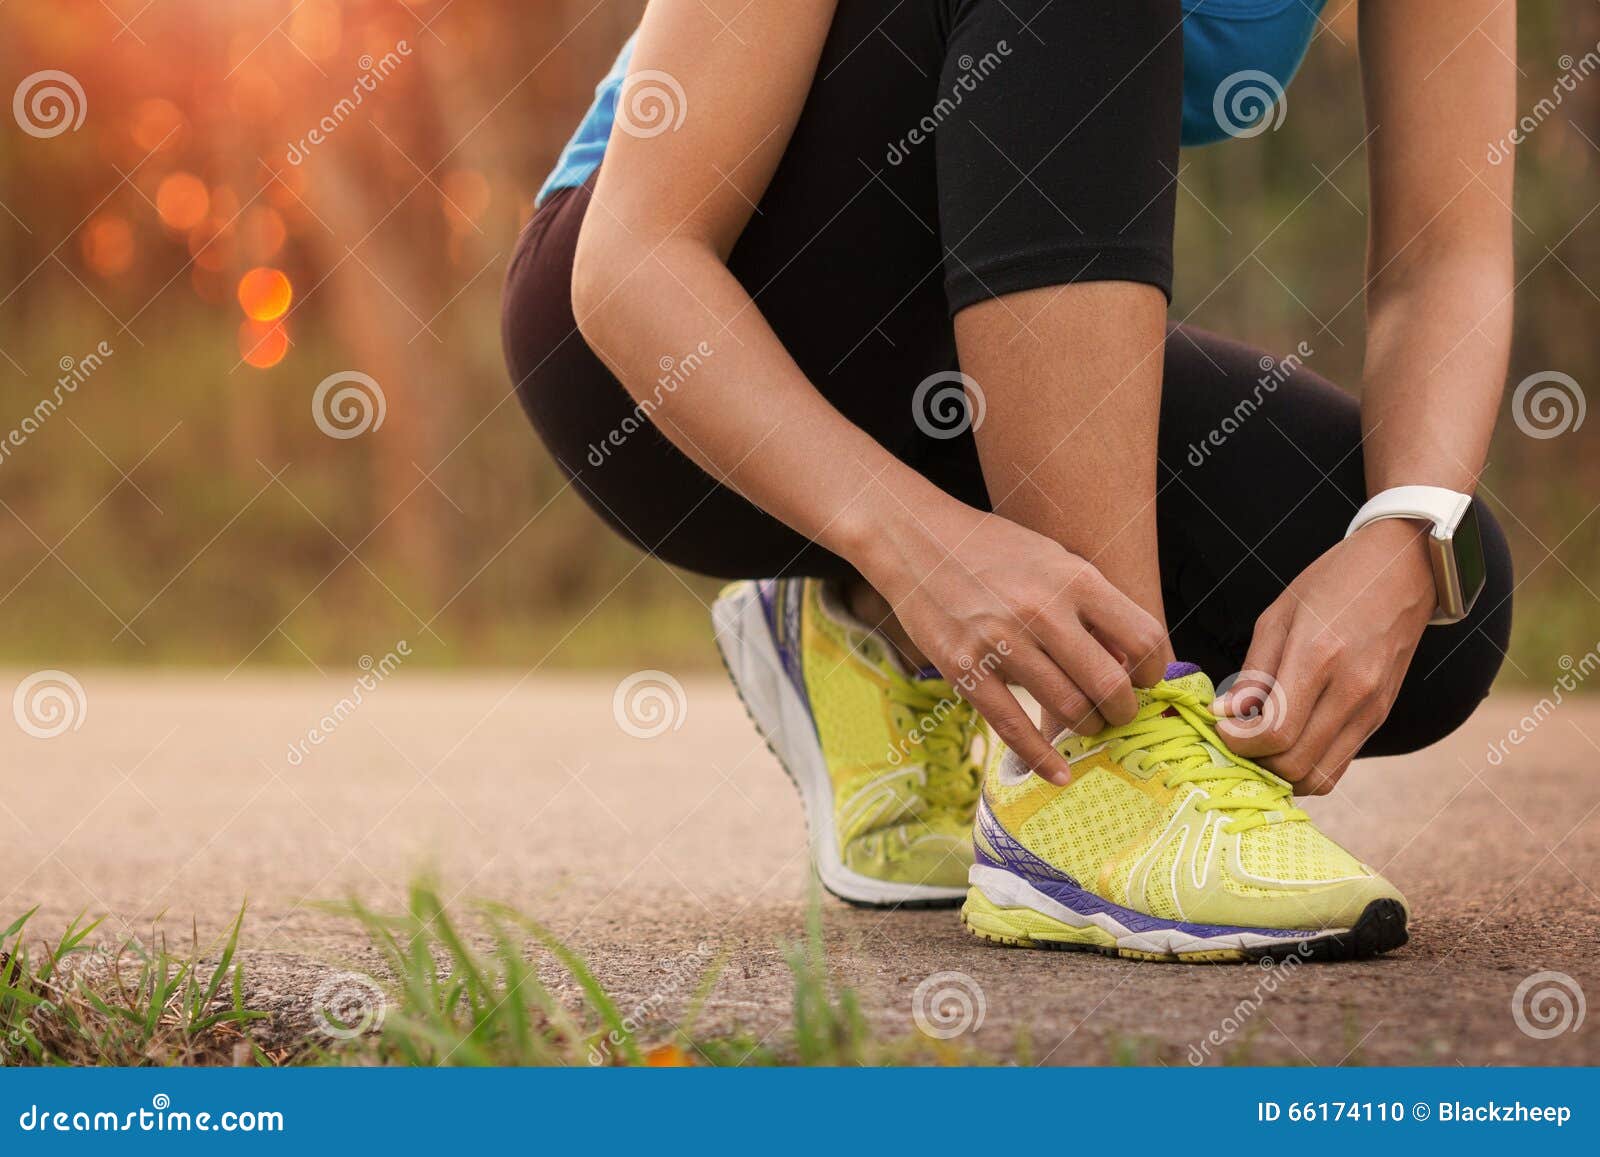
(991, 603)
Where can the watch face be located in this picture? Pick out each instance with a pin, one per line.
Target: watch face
(1467, 546)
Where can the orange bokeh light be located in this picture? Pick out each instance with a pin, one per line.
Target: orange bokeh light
(156, 124)
(263, 344)
(108, 246)
(315, 27)
(255, 95)
(265, 293)
(182, 201)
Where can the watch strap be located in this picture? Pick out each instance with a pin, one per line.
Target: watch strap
(1435, 504)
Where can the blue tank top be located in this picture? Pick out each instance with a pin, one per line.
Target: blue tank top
(1238, 57)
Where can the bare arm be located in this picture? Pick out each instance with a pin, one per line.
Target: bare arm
(1440, 81)
(651, 280)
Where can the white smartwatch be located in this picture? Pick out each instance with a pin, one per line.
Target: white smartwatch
(1454, 544)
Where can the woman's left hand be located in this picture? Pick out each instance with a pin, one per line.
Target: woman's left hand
(1327, 658)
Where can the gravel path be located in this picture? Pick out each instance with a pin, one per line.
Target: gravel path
(178, 794)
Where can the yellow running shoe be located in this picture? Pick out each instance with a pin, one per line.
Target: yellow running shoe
(1167, 846)
(884, 758)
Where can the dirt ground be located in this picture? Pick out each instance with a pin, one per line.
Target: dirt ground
(177, 794)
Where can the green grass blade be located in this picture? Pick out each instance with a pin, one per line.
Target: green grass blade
(598, 998)
(16, 926)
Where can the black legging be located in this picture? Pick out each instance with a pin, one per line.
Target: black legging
(1055, 165)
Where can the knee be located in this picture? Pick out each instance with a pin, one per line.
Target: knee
(1454, 667)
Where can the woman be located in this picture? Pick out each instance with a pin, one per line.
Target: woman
(738, 336)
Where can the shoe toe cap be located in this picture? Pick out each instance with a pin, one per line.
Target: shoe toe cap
(1331, 905)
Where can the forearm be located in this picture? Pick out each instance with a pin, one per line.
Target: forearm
(745, 412)
(1439, 81)
(1438, 342)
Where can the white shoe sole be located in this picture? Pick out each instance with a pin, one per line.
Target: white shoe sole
(1003, 908)
(779, 713)
(1158, 937)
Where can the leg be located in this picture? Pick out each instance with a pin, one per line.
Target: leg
(1261, 471)
(1057, 200)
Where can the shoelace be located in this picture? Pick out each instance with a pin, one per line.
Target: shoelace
(1173, 729)
(946, 726)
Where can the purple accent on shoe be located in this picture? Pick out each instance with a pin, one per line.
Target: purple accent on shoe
(1011, 856)
(1014, 857)
(1087, 904)
(768, 590)
(1179, 670)
(781, 601)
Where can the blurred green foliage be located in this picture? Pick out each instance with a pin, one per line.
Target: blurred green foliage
(182, 506)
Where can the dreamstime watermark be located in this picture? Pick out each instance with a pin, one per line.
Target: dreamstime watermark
(1274, 372)
(1577, 673)
(1573, 73)
(1274, 974)
(974, 71)
(947, 1004)
(1258, 702)
(347, 1005)
(674, 372)
(49, 703)
(74, 373)
(947, 405)
(686, 971)
(373, 73)
(930, 721)
(375, 671)
(1547, 1004)
(347, 404)
(1249, 103)
(650, 103)
(1548, 404)
(160, 1117)
(649, 703)
(49, 103)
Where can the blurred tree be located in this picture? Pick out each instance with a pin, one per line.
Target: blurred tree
(183, 504)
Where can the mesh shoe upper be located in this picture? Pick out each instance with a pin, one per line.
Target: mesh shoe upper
(1162, 818)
